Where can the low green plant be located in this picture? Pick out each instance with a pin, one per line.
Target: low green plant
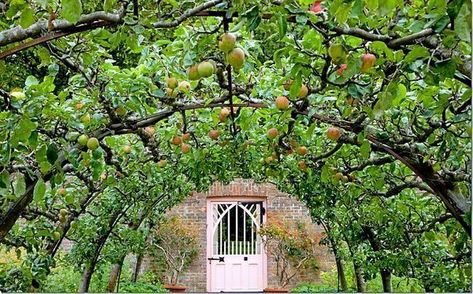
(329, 283)
(140, 287)
(313, 288)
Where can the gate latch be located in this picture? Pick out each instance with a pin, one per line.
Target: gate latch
(220, 258)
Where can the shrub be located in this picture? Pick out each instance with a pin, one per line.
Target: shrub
(173, 248)
(293, 249)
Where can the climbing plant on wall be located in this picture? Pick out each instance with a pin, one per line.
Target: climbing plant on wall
(113, 111)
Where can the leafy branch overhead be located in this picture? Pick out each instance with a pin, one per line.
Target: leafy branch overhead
(112, 112)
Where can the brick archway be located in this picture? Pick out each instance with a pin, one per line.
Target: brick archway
(193, 210)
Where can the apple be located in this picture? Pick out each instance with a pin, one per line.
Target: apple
(333, 133)
(272, 133)
(92, 143)
(56, 235)
(338, 176)
(316, 7)
(223, 143)
(214, 64)
(186, 137)
(79, 105)
(282, 102)
(184, 86)
(171, 82)
(269, 159)
(127, 149)
(224, 112)
(227, 42)
(120, 111)
(185, 148)
(176, 140)
(85, 118)
(302, 165)
(82, 140)
(103, 176)
(18, 94)
(303, 91)
(338, 54)
(302, 150)
(74, 225)
(62, 212)
(162, 163)
(205, 69)
(171, 92)
(352, 101)
(61, 191)
(213, 134)
(149, 131)
(236, 58)
(368, 60)
(193, 73)
(342, 68)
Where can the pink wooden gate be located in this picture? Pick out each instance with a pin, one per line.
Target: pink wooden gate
(236, 257)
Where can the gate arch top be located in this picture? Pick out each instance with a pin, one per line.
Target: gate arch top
(240, 188)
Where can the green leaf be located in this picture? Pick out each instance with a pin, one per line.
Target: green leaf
(4, 179)
(371, 4)
(343, 12)
(52, 153)
(26, 17)
(417, 52)
(365, 149)
(39, 191)
(296, 86)
(463, 22)
(441, 24)
(71, 10)
(282, 25)
(22, 131)
(445, 69)
(19, 184)
(386, 6)
(109, 4)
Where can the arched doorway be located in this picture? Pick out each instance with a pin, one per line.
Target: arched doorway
(235, 254)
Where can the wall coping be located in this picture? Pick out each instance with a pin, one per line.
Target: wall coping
(240, 188)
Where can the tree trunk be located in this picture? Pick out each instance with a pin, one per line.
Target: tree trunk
(137, 268)
(114, 275)
(386, 279)
(86, 277)
(341, 275)
(360, 281)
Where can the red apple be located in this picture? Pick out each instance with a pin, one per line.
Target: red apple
(282, 102)
(333, 133)
(368, 60)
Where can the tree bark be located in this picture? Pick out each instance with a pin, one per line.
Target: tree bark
(137, 268)
(376, 245)
(341, 275)
(360, 281)
(338, 261)
(86, 277)
(115, 275)
(386, 279)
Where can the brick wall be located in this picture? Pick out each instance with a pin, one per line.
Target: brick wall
(193, 212)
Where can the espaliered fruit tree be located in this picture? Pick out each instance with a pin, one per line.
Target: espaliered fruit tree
(112, 112)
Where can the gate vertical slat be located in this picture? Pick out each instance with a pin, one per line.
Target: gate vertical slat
(236, 229)
(244, 233)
